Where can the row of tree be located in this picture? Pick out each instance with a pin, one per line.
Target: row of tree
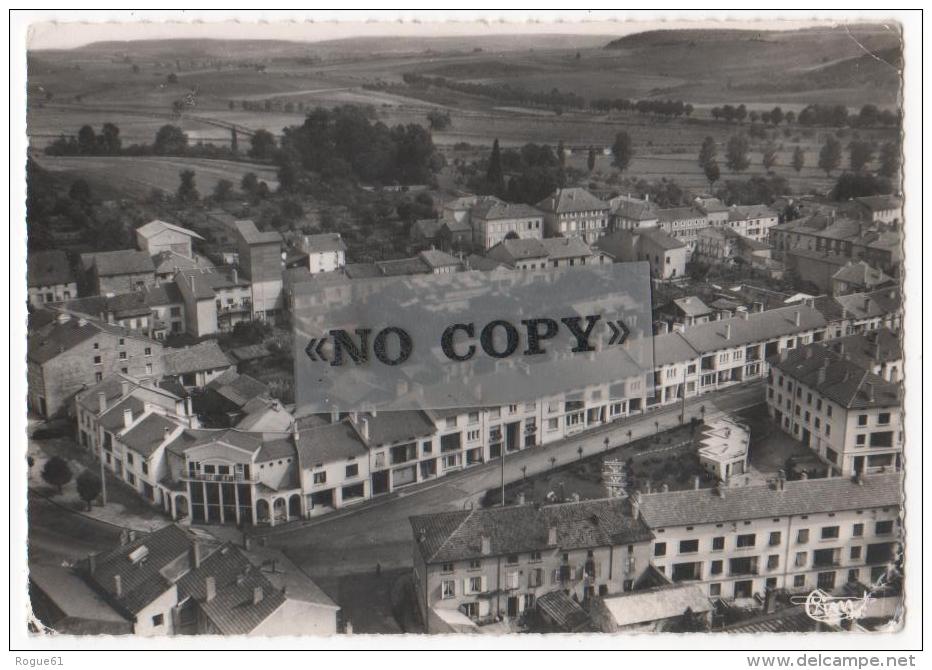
(88, 142)
(502, 92)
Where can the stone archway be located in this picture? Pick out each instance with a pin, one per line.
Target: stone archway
(262, 511)
(294, 506)
(280, 509)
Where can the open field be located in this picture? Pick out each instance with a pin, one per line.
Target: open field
(138, 175)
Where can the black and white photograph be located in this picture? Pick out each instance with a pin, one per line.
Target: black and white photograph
(411, 332)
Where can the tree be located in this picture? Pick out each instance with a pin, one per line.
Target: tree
(88, 487)
(223, 189)
(830, 155)
(769, 156)
(172, 78)
(622, 151)
(80, 191)
(561, 154)
(249, 183)
(109, 140)
(736, 153)
(494, 173)
(56, 472)
(187, 189)
(776, 116)
(234, 140)
(860, 153)
(860, 184)
(170, 140)
(712, 172)
(708, 152)
(262, 145)
(799, 158)
(590, 159)
(87, 140)
(889, 160)
(438, 120)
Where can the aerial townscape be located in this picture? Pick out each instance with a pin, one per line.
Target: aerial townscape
(186, 195)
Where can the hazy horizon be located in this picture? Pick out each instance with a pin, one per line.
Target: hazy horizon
(64, 36)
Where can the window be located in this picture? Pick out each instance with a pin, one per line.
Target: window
(802, 537)
(129, 459)
(427, 447)
(774, 538)
(512, 559)
(448, 589)
(773, 562)
(475, 564)
(121, 341)
(715, 590)
(858, 530)
(320, 477)
(535, 556)
(800, 559)
(830, 533)
(716, 568)
(883, 527)
(689, 546)
(883, 418)
(145, 468)
(352, 470)
(96, 360)
(718, 543)
(474, 417)
(660, 549)
(828, 410)
(475, 584)
(799, 581)
(862, 419)
(158, 620)
(97, 345)
(148, 351)
(746, 540)
(446, 568)
(856, 553)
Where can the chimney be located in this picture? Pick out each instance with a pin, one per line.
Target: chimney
(796, 316)
(210, 588)
(867, 303)
(552, 536)
(486, 546)
(235, 275)
(727, 331)
(257, 595)
(102, 401)
(188, 406)
(696, 482)
(127, 417)
(720, 490)
(635, 500)
(334, 415)
(131, 536)
(822, 371)
(869, 387)
(196, 555)
(247, 542)
(118, 586)
(124, 388)
(92, 563)
(364, 429)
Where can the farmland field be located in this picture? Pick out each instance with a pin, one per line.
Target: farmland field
(138, 175)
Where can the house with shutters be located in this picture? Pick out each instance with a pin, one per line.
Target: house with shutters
(49, 277)
(489, 564)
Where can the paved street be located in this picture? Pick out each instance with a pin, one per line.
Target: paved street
(57, 534)
(354, 540)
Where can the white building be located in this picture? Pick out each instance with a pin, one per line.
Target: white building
(326, 252)
(723, 448)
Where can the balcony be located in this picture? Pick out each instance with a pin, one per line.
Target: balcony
(244, 306)
(234, 478)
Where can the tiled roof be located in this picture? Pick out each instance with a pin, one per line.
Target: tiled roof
(792, 620)
(206, 355)
(566, 247)
(660, 237)
(839, 379)
(871, 304)
(324, 242)
(805, 496)
(403, 266)
(238, 388)
(758, 327)
(692, 306)
(58, 338)
(633, 208)
(454, 536)
(170, 262)
(276, 449)
(511, 250)
(112, 420)
(142, 581)
(567, 614)
(232, 609)
(327, 444)
(710, 205)
(877, 203)
(492, 210)
(191, 438)
(483, 264)
(866, 349)
(147, 435)
(390, 427)
(679, 214)
(362, 270)
(744, 212)
(438, 259)
(252, 235)
(157, 226)
(48, 268)
(862, 274)
(122, 262)
(656, 604)
(571, 200)
(671, 348)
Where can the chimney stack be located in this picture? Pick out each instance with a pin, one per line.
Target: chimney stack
(696, 482)
(127, 417)
(118, 586)
(124, 388)
(235, 275)
(796, 316)
(210, 588)
(364, 429)
(869, 387)
(257, 595)
(727, 331)
(131, 536)
(102, 401)
(195, 555)
(552, 536)
(635, 500)
(92, 563)
(334, 415)
(486, 547)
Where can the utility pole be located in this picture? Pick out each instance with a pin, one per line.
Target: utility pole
(503, 474)
(103, 476)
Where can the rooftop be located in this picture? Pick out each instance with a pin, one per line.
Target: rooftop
(157, 226)
(206, 355)
(48, 268)
(323, 242)
(122, 262)
(565, 200)
(662, 602)
(805, 496)
(252, 235)
(456, 536)
(149, 434)
(692, 306)
(751, 328)
(328, 444)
